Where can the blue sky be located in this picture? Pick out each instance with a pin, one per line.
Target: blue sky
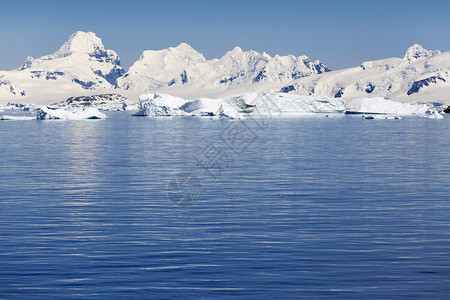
(340, 33)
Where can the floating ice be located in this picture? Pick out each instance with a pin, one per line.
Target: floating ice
(282, 104)
(16, 118)
(380, 117)
(433, 114)
(384, 106)
(69, 114)
(239, 106)
(159, 105)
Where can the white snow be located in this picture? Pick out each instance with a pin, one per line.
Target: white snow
(47, 113)
(85, 42)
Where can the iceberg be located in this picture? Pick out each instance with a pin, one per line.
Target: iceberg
(238, 106)
(282, 104)
(383, 106)
(153, 105)
(47, 113)
(211, 107)
(434, 114)
(381, 117)
(16, 118)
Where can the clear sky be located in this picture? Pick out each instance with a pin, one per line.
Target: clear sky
(341, 33)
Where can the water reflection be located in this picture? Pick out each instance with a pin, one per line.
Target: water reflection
(329, 207)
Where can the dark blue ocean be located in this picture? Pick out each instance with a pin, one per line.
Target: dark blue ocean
(191, 208)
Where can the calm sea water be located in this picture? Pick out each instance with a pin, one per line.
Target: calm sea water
(195, 208)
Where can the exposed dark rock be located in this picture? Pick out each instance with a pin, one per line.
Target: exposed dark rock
(184, 78)
(289, 88)
(260, 76)
(417, 85)
(319, 67)
(14, 104)
(53, 75)
(85, 85)
(447, 110)
(230, 79)
(112, 76)
(89, 100)
(297, 75)
(36, 74)
(369, 88)
(340, 93)
(102, 102)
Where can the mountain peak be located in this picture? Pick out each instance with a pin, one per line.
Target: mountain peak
(182, 52)
(184, 46)
(80, 41)
(416, 51)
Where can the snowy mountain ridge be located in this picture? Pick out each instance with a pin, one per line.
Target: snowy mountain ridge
(82, 66)
(184, 66)
(420, 76)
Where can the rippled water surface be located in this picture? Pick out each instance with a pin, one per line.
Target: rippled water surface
(187, 208)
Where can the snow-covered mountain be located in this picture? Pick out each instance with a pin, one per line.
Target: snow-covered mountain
(83, 67)
(184, 69)
(420, 76)
(156, 69)
(81, 64)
